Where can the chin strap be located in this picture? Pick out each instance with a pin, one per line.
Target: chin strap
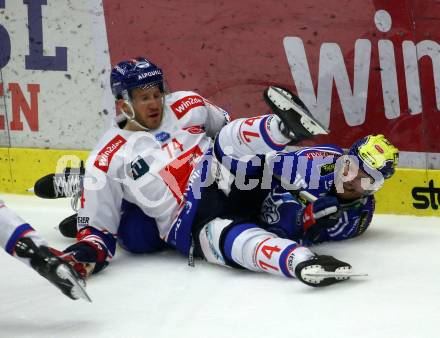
(132, 118)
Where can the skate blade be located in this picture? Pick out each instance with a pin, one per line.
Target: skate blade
(78, 289)
(334, 274)
(283, 101)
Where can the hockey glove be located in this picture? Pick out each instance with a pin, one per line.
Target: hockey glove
(86, 257)
(323, 213)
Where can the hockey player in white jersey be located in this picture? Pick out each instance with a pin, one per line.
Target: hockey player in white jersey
(21, 241)
(156, 169)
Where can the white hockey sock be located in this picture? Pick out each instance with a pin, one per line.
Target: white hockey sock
(259, 250)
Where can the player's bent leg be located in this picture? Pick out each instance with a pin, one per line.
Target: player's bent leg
(298, 123)
(251, 136)
(250, 247)
(210, 240)
(259, 250)
(137, 232)
(256, 249)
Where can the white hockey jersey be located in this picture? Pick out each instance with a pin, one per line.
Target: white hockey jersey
(150, 169)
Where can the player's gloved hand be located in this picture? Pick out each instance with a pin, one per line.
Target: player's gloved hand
(323, 213)
(86, 257)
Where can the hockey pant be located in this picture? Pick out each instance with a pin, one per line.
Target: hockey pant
(138, 232)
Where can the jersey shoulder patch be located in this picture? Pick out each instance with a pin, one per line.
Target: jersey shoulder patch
(182, 105)
(106, 154)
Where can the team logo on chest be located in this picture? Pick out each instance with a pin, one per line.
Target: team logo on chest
(139, 168)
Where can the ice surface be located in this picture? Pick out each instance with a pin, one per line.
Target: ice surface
(159, 296)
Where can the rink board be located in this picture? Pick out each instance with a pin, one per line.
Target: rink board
(409, 192)
(21, 167)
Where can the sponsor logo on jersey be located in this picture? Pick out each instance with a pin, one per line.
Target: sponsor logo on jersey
(139, 168)
(82, 221)
(194, 129)
(106, 154)
(184, 105)
(327, 169)
(426, 196)
(314, 154)
(162, 136)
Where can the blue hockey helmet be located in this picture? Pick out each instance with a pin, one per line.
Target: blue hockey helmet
(376, 153)
(135, 73)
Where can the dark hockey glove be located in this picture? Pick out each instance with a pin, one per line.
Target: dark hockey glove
(86, 257)
(323, 213)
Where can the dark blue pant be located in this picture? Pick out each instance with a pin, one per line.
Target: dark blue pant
(138, 232)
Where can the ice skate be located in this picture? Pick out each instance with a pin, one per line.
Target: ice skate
(323, 271)
(297, 122)
(53, 268)
(68, 227)
(60, 185)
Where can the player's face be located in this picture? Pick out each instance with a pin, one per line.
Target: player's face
(148, 106)
(355, 187)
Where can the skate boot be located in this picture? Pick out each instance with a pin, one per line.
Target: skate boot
(65, 184)
(68, 227)
(53, 268)
(323, 271)
(297, 122)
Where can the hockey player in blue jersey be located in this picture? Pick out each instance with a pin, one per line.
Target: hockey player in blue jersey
(337, 184)
(315, 194)
(229, 221)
